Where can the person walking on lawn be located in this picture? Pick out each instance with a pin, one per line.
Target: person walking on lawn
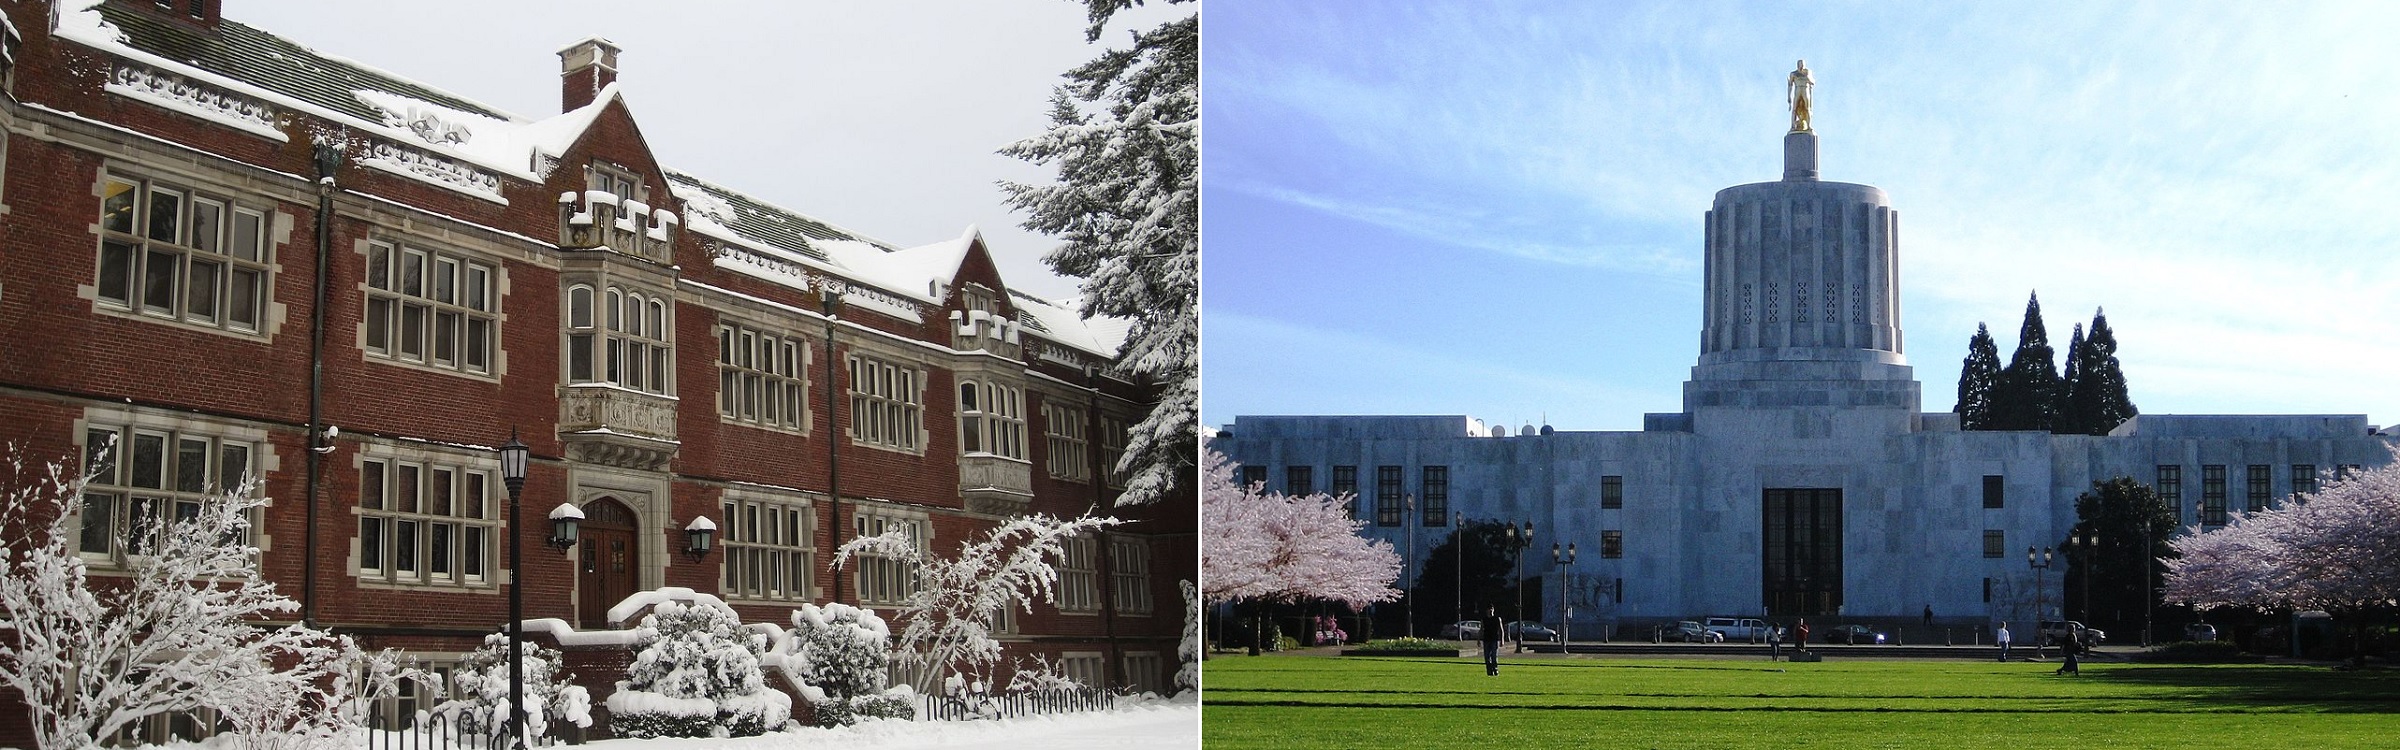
(2072, 647)
(1800, 637)
(1491, 640)
(2001, 637)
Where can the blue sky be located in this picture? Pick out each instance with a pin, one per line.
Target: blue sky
(1494, 209)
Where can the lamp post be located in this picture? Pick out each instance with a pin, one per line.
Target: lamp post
(2038, 564)
(2147, 560)
(1518, 540)
(1562, 561)
(1458, 573)
(512, 473)
(1408, 512)
(2087, 547)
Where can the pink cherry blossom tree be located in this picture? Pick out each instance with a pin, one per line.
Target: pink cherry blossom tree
(1275, 548)
(2336, 550)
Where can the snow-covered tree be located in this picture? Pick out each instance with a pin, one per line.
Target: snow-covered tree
(695, 673)
(480, 705)
(1274, 547)
(2336, 550)
(842, 653)
(1124, 135)
(1187, 676)
(171, 630)
(950, 614)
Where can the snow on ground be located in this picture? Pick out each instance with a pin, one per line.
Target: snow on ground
(1170, 723)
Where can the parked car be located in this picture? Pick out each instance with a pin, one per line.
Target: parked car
(2199, 631)
(1738, 628)
(1464, 630)
(1689, 631)
(2058, 631)
(1529, 631)
(1855, 635)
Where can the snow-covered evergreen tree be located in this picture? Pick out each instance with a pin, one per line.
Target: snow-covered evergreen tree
(695, 673)
(1187, 676)
(171, 630)
(1124, 135)
(480, 702)
(949, 615)
(843, 654)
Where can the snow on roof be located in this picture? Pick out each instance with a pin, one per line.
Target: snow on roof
(905, 272)
(1064, 324)
(644, 599)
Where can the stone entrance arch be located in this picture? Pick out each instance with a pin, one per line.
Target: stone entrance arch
(608, 560)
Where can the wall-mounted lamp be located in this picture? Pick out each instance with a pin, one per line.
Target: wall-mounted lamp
(563, 520)
(698, 536)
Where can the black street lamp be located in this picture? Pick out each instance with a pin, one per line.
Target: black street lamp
(1408, 608)
(1562, 561)
(1458, 575)
(1518, 540)
(2087, 547)
(2039, 564)
(512, 473)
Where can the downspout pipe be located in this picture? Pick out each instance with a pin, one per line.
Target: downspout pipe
(1108, 551)
(833, 436)
(328, 157)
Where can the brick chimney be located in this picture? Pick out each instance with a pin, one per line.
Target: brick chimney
(585, 67)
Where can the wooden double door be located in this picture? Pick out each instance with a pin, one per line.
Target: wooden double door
(609, 561)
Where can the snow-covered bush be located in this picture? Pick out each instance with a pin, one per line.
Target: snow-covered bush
(171, 630)
(695, 674)
(481, 702)
(1187, 676)
(1041, 676)
(956, 600)
(841, 655)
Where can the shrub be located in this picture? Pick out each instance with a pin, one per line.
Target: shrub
(842, 655)
(695, 674)
(1409, 644)
(2198, 652)
(481, 705)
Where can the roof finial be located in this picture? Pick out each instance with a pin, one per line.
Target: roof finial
(1797, 91)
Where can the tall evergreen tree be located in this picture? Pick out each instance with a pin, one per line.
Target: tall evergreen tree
(2028, 389)
(1977, 379)
(2065, 420)
(2101, 398)
(1124, 136)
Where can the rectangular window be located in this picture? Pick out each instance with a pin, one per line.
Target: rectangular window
(1345, 486)
(1299, 481)
(419, 310)
(991, 419)
(2344, 471)
(1437, 495)
(424, 523)
(770, 548)
(1612, 544)
(189, 266)
(1129, 569)
(1995, 543)
(1388, 508)
(1987, 590)
(127, 502)
(1078, 575)
(1112, 448)
(1254, 479)
(2261, 487)
(1612, 492)
(886, 404)
(1065, 429)
(2170, 488)
(2212, 495)
(2304, 479)
(883, 580)
(759, 381)
(1994, 491)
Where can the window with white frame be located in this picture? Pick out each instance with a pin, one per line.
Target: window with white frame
(1129, 568)
(762, 378)
(398, 709)
(991, 419)
(1086, 668)
(885, 580)
(1066, 428)
(886, 404)
(181, 254)
(620, 336)
(425, 523)
(770, 552)
(1112, 448)
(140, 474)
(1143, 670)
(431, 307)
(1078, 574)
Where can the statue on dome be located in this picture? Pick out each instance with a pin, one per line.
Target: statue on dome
(1797, 90)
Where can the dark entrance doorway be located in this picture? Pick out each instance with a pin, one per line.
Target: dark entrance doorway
(1802, 559)
(608, 556)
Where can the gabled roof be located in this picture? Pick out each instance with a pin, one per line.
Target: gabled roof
(732, 215)
(243, 53)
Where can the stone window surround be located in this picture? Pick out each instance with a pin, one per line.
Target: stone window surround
(1079, 575)
(856, 350)
(861, 511)
(1129, 574)
(497, 287)
(263, 460)
(1066, 432)
(804, 371)
(427, 455)
(277, 228)
(801, 503)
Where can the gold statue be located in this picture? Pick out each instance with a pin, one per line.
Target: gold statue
(1797, 91)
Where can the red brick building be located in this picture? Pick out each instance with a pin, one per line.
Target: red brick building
(174, 275)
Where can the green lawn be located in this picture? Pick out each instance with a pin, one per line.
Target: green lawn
(1354, 702)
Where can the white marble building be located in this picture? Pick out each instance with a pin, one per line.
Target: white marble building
(1803, 476)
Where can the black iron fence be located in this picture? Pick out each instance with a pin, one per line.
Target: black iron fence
(1012, 705)
(443, 731)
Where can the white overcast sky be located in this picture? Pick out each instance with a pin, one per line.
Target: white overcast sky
(881, 116)
(1494, 209)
